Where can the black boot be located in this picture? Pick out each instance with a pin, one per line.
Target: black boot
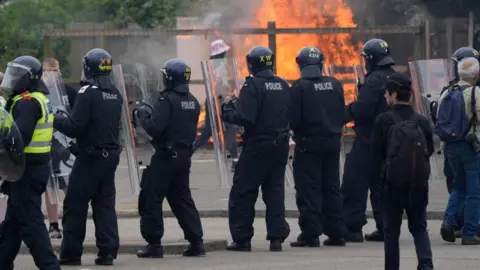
(375, 236)
(246, 246)
(354, 237)
(471, 242)
(447, 233)
(195, 249)
(151, 251)
(305, 242)
(276, 245)
(104, 260)
(334, 242)
(70, 261)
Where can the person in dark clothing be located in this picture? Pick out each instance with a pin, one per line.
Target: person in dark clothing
(317, 119)
(95, 124)
(412, 197)
(360, 174)
(30, 108)
(262, 109)
(172, 124)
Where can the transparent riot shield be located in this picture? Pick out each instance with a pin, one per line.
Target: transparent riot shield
(61, 159)
(140, 93)
(429, 77)
(12, 157)
(348, 75)
(220, 82)
(127, 131)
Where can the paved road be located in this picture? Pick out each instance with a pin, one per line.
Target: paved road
(365, 256)
(208, 195)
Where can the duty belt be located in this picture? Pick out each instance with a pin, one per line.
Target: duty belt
(100, 151)
(274, 138)
(170, 149)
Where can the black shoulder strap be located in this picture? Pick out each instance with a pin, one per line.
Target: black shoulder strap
(473, 103)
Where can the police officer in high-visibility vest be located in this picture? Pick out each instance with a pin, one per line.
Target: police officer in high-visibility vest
(32, 113)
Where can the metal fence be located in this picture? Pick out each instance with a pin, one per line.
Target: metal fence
(114, 39)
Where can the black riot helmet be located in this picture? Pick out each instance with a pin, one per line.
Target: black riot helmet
(23, 73)
(376, 53)
(176, 72)
(465, 52)
(97, 62)
(310, 62)
(260, 58)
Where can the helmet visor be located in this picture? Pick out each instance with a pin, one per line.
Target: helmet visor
(15, 78)
(162, 84)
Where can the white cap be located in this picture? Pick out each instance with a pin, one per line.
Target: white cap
(218, 46)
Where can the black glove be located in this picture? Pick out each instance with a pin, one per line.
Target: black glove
(73, 149)
(143, 112)
(4, 187)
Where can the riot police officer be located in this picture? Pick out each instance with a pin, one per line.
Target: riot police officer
(317, 119)
(33, 115)
(360, 173)
(457, 56)
(262, 109)
(172, 124)
(95, 124)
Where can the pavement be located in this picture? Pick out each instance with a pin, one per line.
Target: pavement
(368, 256)
(212, 199)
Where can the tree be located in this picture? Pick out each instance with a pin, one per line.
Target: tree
(22, 22)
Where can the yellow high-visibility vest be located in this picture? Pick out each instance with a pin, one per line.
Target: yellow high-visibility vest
(41, 142)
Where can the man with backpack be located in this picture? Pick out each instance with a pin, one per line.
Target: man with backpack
(457, 56)
(458, 114)
(403, 143)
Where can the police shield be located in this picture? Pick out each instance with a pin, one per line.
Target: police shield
(61, 158)
(12, 157)
(127, 130)
(139, 93)
(429, 77)
(220, 82)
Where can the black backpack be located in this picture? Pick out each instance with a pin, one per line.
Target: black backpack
(407, 154)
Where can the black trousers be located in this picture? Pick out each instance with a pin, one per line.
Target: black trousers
(317, 184)
(24, 220)
(261, 164)
(414, 202)
(168, 177)
(92, 180)
(360, 176)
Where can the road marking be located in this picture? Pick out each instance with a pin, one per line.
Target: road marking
(193, 161)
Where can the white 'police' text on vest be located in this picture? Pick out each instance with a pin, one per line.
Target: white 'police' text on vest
(273, 86)
(109, 96)
(323, 86)
(187, 105)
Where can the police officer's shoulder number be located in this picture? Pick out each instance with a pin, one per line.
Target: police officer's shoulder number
(84, 88)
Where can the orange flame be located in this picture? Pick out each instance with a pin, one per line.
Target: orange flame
(337, 48)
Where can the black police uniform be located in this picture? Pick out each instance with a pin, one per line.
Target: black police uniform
(173, 126)
(24, 219)
(360, 173)
(95, 124)
(317, 119)
(396, 199)
(262, 109)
